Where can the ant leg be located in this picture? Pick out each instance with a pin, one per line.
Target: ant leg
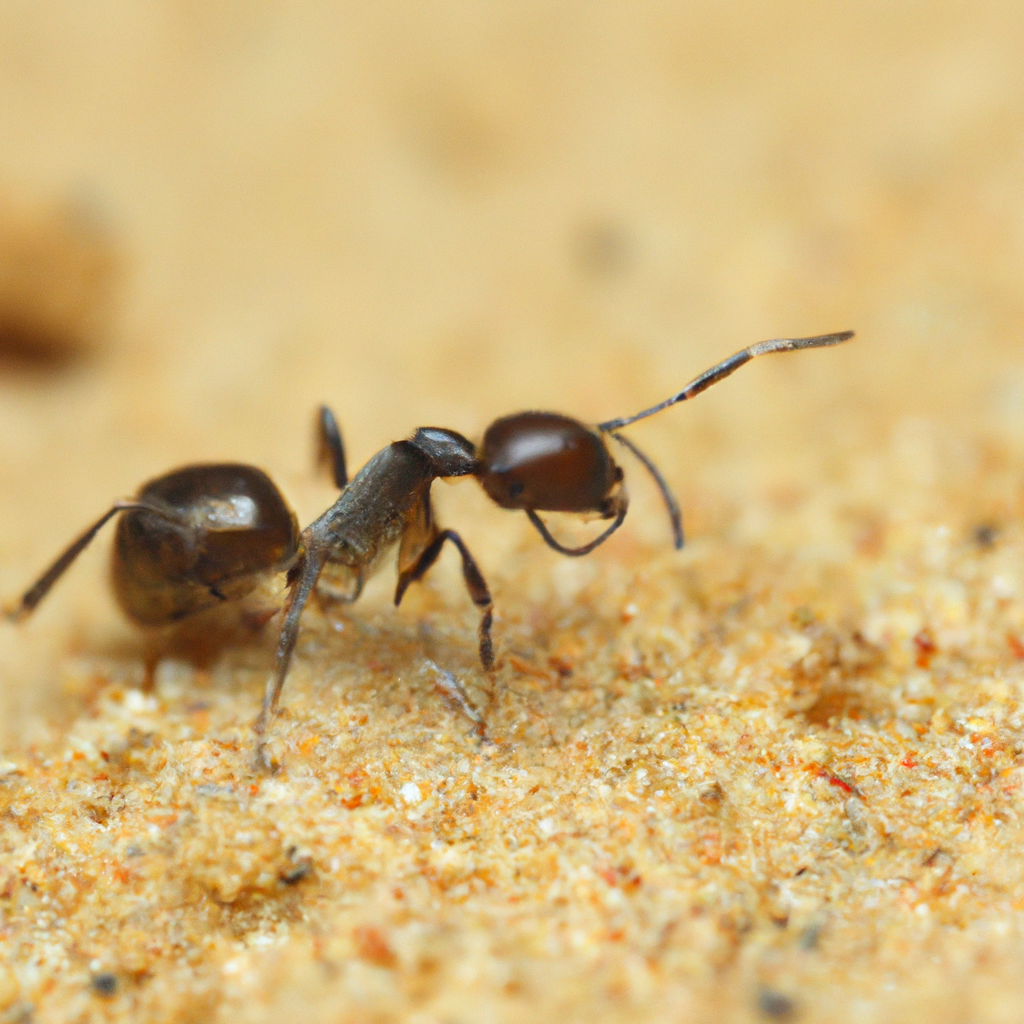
(670, 499)
(586, 548)
(302, 579)
(42, 586)
(475, 584)
(330, 447)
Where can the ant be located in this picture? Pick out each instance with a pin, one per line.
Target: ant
(207, 534)
(530, 461)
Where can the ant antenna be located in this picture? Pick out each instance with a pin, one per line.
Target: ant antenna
(724, 368)
(666, 492)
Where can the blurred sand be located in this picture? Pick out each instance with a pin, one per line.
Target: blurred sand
(773, 777)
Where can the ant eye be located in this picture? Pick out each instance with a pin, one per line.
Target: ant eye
(516, 489)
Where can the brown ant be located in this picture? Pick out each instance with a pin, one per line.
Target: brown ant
(207, 534)
(532, 461)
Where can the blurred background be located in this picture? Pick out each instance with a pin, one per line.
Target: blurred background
(216, 215)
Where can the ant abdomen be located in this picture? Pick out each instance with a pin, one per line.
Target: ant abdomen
(190, 540)
(198, 537)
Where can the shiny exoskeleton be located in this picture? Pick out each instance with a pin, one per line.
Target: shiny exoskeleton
(190, 540)
(532, 461)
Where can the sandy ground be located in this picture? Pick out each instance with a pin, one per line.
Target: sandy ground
(775, 776)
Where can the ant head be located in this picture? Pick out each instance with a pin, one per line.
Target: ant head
(449, 452)
(542, 461)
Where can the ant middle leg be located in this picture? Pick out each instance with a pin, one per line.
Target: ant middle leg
(475, 584)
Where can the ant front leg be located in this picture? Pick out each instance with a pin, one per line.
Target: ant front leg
(475, 584)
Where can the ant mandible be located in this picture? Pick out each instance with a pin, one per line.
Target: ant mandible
(530, 461)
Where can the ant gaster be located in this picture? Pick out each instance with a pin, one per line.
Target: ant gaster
(530, 461)
(189, 540)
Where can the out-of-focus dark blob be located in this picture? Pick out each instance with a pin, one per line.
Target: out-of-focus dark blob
(602, 249)
(59, 271)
